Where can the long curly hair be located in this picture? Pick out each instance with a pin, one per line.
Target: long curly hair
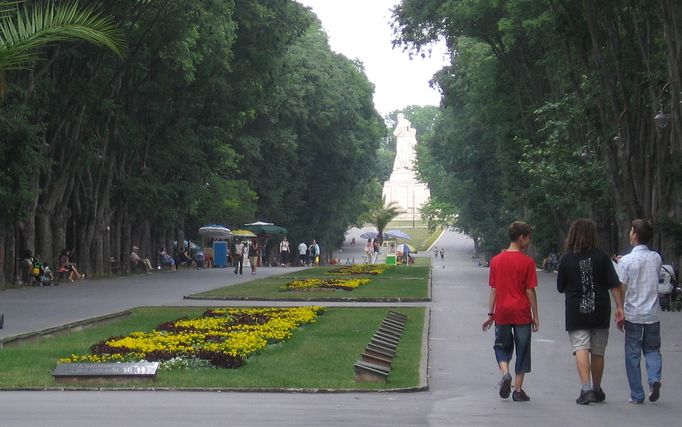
(582, 236)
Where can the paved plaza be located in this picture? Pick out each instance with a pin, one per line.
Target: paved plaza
(463, 374)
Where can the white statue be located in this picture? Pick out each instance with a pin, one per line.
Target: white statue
(406, 142)
(403, 187)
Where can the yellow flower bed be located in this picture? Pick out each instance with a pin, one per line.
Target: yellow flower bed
(324, 283)
(373, 269)
(223, 337)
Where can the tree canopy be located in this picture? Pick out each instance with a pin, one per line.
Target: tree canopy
(533, 101)
(220, 112)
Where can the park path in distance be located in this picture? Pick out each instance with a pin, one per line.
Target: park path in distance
(463, 372)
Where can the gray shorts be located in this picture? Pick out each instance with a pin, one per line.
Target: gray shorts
(594, 340)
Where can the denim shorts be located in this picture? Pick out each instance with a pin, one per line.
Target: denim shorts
(508, 337)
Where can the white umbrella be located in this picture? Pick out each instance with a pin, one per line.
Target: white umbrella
(215, 231)
(398, 234)
(260, 223)
(369, 235)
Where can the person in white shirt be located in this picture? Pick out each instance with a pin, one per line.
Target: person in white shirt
(638, 271)
(238, 259)
(302, 249)
(284, 252)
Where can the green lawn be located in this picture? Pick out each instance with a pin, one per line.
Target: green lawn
(421, 237)
(400, 283)
(320, 355)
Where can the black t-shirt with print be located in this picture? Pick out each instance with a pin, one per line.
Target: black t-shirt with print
(586, 278)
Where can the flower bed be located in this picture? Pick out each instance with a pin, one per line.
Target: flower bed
(324, 284)
(373, 269)
(220, 337)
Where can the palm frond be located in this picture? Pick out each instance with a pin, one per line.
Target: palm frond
(34, 27)
(9, 9)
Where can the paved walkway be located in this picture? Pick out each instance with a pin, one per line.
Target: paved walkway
(463, 374)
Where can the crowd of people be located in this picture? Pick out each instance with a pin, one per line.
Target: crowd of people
(586, 276)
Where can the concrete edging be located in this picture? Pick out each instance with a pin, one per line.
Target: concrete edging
(66, 327)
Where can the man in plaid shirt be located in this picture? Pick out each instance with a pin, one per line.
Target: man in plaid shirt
(638, 272)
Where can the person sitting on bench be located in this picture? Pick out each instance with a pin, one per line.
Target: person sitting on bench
(66, 267)
(136, 260)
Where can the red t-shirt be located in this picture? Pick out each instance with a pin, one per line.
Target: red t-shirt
(511, 273)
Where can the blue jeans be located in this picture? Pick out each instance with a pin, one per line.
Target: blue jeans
(506, 338)
(642, 338)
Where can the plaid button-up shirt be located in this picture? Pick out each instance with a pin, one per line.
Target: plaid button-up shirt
(639, 271)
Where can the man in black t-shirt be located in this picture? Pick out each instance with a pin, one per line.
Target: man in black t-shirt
(586, 274)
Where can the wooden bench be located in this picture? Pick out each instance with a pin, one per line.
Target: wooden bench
(118, 266)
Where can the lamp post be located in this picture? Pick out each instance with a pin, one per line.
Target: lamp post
(618, 139)
(662, 118)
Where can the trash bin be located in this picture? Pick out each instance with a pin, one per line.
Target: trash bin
(390, 259)
(220, 254)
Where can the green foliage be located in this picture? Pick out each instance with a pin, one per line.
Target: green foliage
(220, 111)
(25, 29)
(531, 102)
(20, 158)
(380, 215)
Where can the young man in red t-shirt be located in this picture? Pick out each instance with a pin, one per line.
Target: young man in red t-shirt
(513, 307)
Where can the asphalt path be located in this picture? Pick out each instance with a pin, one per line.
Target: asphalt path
(462, 369)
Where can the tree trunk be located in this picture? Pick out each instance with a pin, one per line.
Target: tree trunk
(59, 227)
(45, 236)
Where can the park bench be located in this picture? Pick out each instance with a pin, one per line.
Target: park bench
(117, 266)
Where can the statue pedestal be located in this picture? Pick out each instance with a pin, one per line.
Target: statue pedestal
(404, 189)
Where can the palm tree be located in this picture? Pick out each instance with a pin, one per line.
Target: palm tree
(381, 215)
(25, 29)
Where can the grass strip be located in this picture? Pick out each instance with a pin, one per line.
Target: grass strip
(401, 283)
(319, 356)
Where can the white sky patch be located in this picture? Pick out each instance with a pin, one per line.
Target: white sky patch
(360, 29)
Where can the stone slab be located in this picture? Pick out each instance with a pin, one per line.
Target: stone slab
(387, 339)
(367, 374)
(105, 372)
(385, 344)
(376, 360)
(379, 353)
(381, 348)
(393, 324)
(389, 332)
(397, 315)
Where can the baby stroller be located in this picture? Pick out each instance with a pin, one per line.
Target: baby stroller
(42, 275)
(669, 292)
(199, 259)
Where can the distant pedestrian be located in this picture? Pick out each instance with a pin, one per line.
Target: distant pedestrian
(238, 258)
(284, 251)
(254, 253)
(369, 250)
(513, 308)
(376, 249)
(435, 252)
(302, 253)
(586, 275)
(442, 254)
(314, 253)
(639, 272)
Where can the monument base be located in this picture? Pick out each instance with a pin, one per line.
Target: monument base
(408, 193)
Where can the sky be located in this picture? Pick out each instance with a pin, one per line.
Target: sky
(360, 29)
